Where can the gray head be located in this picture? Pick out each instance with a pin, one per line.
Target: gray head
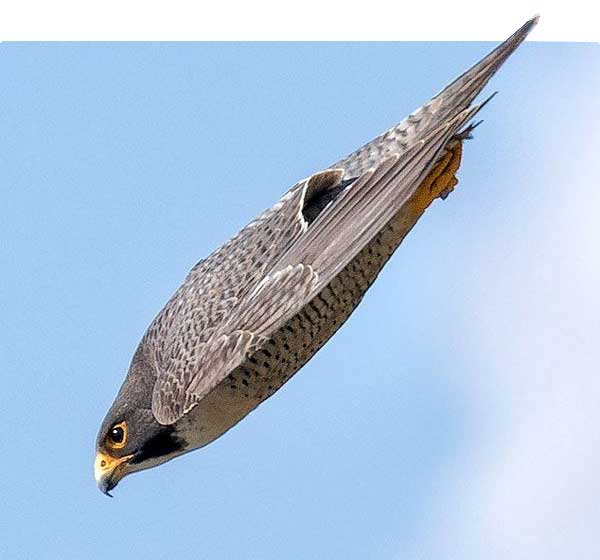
(130, 439)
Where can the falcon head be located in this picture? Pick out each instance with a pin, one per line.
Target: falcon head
(130, 439)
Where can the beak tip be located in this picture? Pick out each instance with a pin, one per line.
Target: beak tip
(103, 487)
(106, 484)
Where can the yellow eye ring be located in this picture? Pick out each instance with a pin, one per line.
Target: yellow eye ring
(117, 436)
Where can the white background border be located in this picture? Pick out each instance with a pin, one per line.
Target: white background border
(304, 20)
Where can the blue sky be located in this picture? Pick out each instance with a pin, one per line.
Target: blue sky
(455, 415)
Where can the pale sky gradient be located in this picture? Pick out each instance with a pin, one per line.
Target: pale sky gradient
(455, 415)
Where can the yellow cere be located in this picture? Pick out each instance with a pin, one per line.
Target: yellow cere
(105, 464)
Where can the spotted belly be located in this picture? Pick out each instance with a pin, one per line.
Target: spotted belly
(264, 372)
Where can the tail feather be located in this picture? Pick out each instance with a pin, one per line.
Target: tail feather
(462, 91)
(453, 99)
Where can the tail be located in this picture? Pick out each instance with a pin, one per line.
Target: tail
(453, 99)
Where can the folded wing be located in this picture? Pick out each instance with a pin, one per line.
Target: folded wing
(309, 264)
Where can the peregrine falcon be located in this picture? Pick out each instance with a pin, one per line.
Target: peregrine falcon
(251, 314)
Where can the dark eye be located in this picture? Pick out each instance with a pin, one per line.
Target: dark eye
(117, 436)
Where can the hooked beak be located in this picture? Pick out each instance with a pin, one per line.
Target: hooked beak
(108, 471)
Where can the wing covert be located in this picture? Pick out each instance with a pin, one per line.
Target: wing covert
(303, 269)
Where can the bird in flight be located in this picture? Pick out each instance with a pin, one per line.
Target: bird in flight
(251, 314)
